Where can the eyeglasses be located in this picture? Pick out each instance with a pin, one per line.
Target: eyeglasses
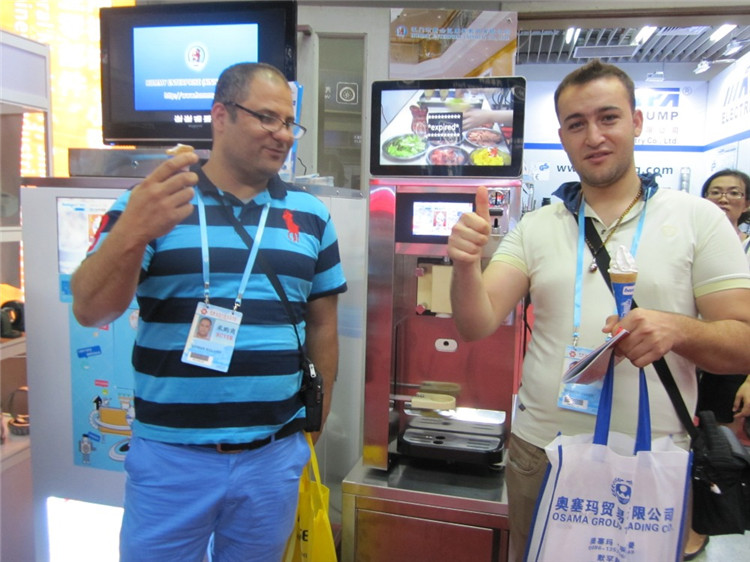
(272, 124)
(731, 194)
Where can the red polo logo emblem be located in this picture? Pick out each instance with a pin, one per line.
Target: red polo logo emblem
(291, 226)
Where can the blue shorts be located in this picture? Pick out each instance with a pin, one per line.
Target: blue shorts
(180, 497)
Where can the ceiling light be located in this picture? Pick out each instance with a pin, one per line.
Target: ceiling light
(733, 47)
(722, 32)
(703, 66)
(571, 35)
(645, 34)
(604, 51)
(657, 76)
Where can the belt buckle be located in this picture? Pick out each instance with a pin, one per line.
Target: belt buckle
(220, 449)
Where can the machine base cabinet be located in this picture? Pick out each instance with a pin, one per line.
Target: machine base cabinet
(415, 514)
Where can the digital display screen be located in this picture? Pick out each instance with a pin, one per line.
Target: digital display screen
(161, 63)
(177, 68)
(428, 218)
(436, 218)
(448, 127)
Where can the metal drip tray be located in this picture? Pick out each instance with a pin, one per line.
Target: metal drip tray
(437, 443)
(440, 424)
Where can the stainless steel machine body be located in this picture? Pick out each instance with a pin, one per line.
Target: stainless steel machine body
(428, 393)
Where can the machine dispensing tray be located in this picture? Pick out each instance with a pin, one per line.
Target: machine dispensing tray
(461, 435)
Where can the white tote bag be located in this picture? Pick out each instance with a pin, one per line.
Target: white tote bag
(608, 496)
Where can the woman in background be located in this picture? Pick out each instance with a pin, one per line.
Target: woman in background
(727, 396)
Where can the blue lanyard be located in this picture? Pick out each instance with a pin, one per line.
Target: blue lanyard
(250, 260)
(578, 297)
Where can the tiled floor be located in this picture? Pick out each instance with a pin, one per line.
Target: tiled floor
(726, 548)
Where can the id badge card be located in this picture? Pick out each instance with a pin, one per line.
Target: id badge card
(578, 397)
(213, 335)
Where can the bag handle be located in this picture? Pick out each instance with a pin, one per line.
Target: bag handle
(313, 463)
(660, 365)
(604, 414)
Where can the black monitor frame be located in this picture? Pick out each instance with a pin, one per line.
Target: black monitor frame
(122, 124)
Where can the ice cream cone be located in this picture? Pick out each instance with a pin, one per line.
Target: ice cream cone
(623, 277)
(623, 273)
(623, 285)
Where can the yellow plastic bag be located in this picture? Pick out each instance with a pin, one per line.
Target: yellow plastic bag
(312, 539)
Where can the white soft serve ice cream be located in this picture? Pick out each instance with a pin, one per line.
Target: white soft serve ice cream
(623, 264)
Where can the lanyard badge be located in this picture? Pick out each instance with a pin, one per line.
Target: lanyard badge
(214, 330)
(212, 338)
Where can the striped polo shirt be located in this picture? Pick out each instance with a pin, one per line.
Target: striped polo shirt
(177, 402)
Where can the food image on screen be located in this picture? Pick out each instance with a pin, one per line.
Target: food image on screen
(483, 137)
(421, 127)
(436, 218)
(405, 147)
(447, 156)
(490, 156)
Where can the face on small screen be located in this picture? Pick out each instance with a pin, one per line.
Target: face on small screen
(436, 218)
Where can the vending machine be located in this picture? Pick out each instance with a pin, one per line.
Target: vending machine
(428, 393)
(437, 409)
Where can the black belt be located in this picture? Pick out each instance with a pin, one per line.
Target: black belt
(228, 448)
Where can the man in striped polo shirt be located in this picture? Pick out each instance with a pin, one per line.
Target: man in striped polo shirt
(217, 450)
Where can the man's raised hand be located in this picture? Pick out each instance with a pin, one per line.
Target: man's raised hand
(472, 231)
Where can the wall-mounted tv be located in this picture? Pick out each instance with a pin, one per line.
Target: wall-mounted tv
(468, 127)
(160, 64)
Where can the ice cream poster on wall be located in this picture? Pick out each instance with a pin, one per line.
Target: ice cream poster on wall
(102, 391)
(100, 366)
(451, 43)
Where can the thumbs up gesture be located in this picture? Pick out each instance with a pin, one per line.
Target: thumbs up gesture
(472, 231)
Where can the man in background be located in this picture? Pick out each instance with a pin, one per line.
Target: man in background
(217, 450)
(689, 264)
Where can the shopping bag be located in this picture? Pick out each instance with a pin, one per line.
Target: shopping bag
(608, 496)
(721, 480)
(311, 539)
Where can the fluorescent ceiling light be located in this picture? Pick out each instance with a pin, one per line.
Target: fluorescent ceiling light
(645, 34)
(571, 35)
(703, 66)
(722, 32)
(733, 47)
(602, 51)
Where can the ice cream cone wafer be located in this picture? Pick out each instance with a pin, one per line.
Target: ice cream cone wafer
(623, 277)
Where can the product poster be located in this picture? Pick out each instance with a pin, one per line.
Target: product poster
(102, 391)
(100, 366)
(452, 43)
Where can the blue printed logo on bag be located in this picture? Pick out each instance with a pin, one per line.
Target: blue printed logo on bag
(608, 496)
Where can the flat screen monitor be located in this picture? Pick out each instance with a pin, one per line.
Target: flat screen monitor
(467, 127)
(428, 218)
(160, 64)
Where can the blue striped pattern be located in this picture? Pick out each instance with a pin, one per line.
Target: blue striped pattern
(180, 403)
